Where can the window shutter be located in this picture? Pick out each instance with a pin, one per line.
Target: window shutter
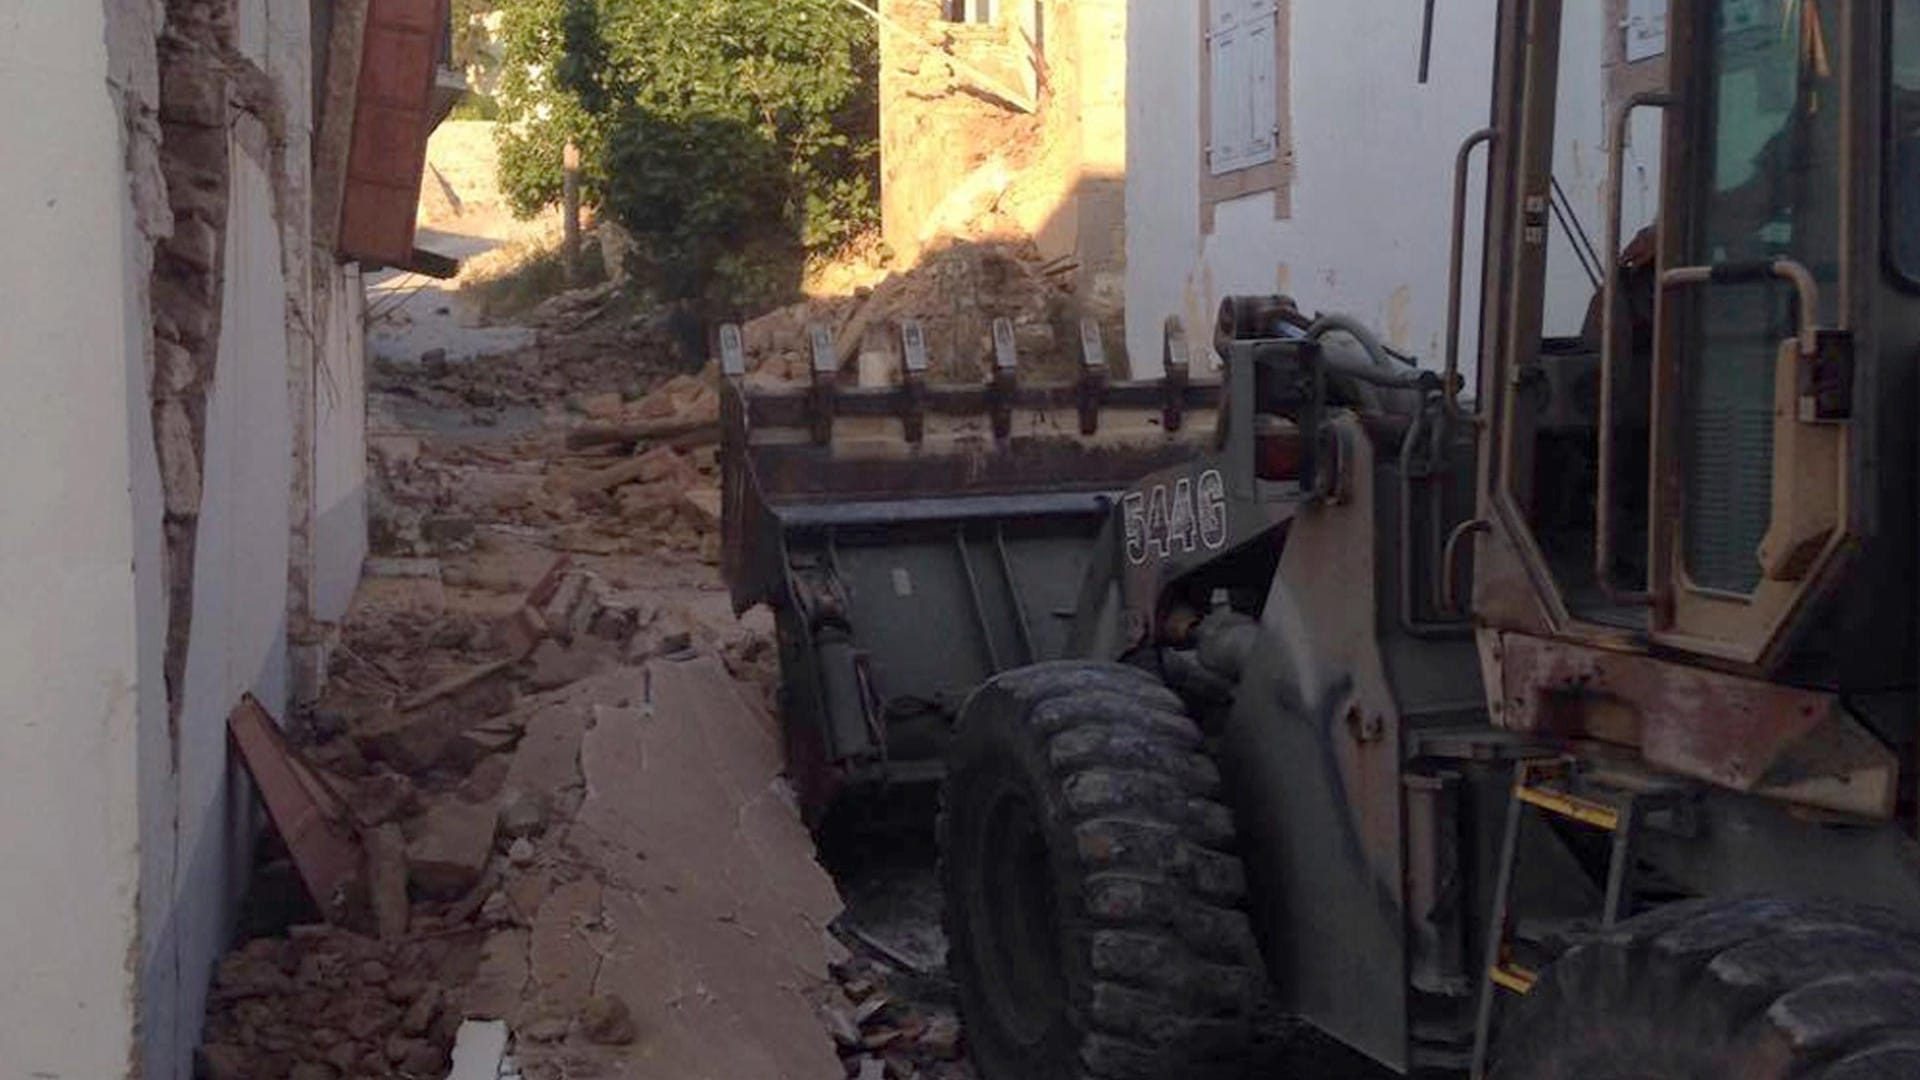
(1227, 141)
(1245, 97)
(1259, 65)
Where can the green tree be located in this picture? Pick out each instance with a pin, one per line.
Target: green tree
(727, 135)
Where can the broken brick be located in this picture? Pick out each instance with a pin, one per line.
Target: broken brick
(387, 880)
(606, 1020)
(451, 849)
(410, 742)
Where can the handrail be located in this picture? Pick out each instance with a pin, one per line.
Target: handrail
(1609, 333)
(1456, 271)
(1450, 558)
(1807, 330)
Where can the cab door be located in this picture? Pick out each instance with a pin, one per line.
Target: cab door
(1751, 463)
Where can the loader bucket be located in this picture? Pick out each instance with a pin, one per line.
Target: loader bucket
(914, 539)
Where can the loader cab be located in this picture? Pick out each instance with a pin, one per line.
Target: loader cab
(1714, 458)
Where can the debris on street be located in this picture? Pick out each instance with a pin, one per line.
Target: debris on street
(558, 781)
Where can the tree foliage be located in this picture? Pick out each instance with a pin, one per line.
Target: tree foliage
(724, 134)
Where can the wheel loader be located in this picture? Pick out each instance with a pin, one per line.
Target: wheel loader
(1561, 726)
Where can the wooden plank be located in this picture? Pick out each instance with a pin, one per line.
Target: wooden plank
(312, 820)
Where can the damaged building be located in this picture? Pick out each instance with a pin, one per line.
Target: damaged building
(1008, 118)
(192, 190)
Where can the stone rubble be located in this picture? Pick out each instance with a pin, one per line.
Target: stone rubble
(556, 739)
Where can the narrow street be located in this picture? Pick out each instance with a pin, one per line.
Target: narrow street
(959, 540)
(545, 713)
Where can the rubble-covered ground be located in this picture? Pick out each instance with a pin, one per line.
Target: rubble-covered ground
(556, 743)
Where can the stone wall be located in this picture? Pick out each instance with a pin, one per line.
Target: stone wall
(188, 275)
(1008, 130)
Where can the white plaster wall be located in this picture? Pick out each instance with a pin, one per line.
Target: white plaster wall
(207, 812)
(70, 645)
(340, 453)
(239, 643)
(1372, 190)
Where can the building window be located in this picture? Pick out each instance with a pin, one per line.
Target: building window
(1244, 103)
(969, 11)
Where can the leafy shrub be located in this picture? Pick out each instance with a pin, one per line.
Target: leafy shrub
(731, 137)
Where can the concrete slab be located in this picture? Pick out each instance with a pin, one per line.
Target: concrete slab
(714, 907)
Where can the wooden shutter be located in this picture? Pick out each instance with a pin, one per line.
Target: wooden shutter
(1260, 66)
(1244, 98)
(391, 122)
(1226, 142)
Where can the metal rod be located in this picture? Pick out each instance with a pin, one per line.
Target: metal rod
(979, 605)
(1456, 268)
(1426, 43)
(1013, 593)
(1609, 337)
(1620, 865)
(1497, 925)
(1561, 214)
(1577, 232)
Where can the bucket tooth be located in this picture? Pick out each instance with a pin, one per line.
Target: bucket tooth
(1006, 377)
(913, 380)
(826, 373)
(1178, 373)
(733, 354)
(1093, 375)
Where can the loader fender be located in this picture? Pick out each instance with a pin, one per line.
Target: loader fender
(1311, 750)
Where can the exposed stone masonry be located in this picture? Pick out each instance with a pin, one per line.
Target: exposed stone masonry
(189, 276)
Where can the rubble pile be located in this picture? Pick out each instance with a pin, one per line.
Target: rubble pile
(327, 1004)
(609, 356)
(882, 1034)
(461, 779)
(522, 587)
(955, 292)
(633, 474)
(567, 824)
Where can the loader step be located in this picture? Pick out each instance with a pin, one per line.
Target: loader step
(1559, 787)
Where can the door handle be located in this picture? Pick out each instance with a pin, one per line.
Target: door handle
(1754, 272)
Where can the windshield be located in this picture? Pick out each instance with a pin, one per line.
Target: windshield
(1903, 181)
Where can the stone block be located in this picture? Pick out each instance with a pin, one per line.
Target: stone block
(451, 848)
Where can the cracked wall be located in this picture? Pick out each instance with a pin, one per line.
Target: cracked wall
(196, 52)
(181, 356)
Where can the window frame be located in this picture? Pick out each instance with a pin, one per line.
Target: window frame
(1275, 175)
(961, 12)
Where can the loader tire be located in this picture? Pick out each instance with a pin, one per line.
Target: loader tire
(1093, 898)
(1752, 989)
